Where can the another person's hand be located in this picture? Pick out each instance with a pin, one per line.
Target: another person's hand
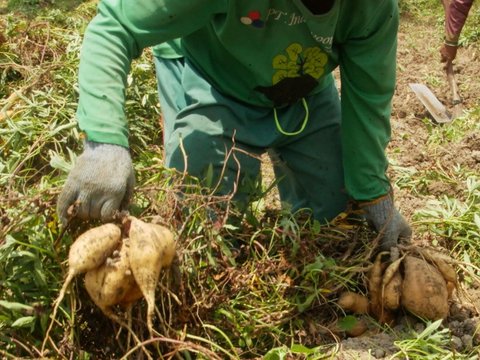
(101, 183)
(448, 53)
(391, 226)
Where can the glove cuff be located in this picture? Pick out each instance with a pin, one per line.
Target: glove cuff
(387, 198)
(379, 211)
(94, 146)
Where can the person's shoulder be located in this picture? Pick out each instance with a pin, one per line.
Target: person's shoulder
(360, 18)
(362, 6)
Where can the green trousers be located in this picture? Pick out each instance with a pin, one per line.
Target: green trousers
(205, 130)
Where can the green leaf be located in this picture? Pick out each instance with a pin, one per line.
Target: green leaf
(476, 218)
(209, 176)
(276, 354)
(230, 227)
(58, 162)
(15, 306)
(347, 323)
(307, 303)
(301, 349)
(25, 321)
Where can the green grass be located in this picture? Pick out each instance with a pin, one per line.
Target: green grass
(31, 7)
(431, 343)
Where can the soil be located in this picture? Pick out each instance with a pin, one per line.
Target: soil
(411, 125)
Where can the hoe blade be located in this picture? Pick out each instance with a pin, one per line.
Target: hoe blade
(432, 104)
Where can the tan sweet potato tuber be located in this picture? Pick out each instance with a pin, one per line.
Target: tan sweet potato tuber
(375, 278)
(91, 248)
(353, 302)
(152, 247)
(87, 252)
(133, 294)
(391, 271)
(441, 263)
(419, 280)
(108, 284)
(392, 285)
(424, 291)
(392, 292)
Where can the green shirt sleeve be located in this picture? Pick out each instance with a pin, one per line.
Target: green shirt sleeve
(116, 35)
(367, 61)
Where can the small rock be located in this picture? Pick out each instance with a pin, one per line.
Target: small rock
(476, 155)
(476, 340)
(457, 343)
(454, 324)
(419, 327)
(467, 341)
(469, 326)
(379, 353)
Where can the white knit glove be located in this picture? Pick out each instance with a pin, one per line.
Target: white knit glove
(101, 183)
(387, 221)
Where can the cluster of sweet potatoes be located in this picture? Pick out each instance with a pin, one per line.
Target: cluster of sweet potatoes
(418, 280)
(121, 264)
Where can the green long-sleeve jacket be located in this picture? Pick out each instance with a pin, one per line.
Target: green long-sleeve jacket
(265, 53)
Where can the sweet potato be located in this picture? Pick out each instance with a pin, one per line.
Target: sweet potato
(152, 247)
(133, 294)
(108, 284)
(87, 252)
(392, 292)
(424, 291)
(392, 285)
(375, 285)
(353, 302)
(91, 248)
(441, 263)
(375, 278)
(390, 271)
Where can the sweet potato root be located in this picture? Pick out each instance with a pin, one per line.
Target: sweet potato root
(392, 292)
(152, 247)
(375, 278)
(108, 284)
(353, 302)
(424, 291)
(87, 252)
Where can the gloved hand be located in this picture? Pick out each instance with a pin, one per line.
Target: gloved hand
(387, 221)
(101, 183)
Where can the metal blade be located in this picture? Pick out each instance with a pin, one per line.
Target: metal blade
(432, 104)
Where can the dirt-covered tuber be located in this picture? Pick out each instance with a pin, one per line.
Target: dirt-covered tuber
(152, 247)
(418, 280)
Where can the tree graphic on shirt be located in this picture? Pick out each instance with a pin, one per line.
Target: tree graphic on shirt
(297, 72)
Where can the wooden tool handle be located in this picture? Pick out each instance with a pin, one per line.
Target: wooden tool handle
(453, 84)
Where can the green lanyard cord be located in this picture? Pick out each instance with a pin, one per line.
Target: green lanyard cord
(279, 127)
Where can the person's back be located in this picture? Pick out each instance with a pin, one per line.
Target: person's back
(252, 77)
